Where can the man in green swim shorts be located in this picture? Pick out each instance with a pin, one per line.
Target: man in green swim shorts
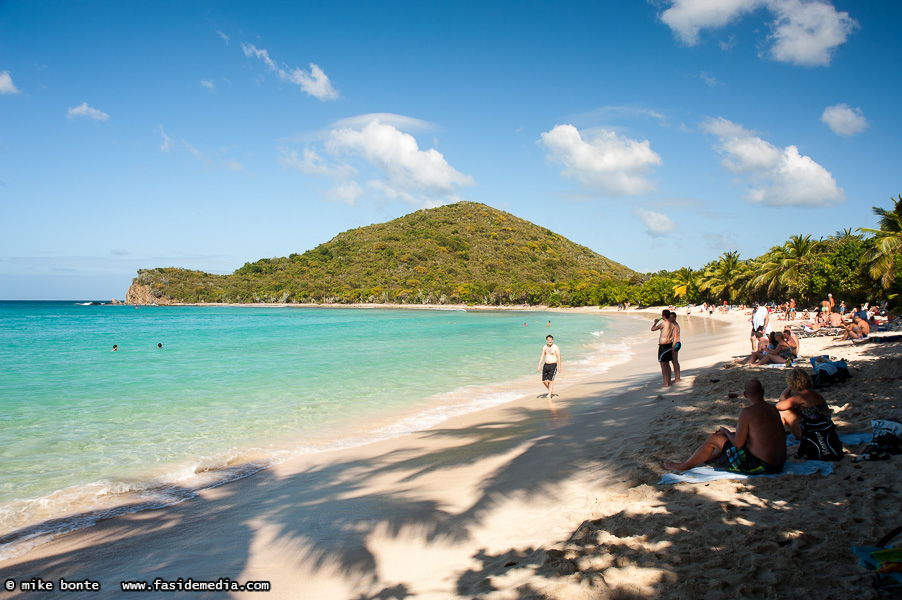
(758, 446)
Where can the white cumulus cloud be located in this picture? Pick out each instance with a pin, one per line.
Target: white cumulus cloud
(688, 17)
(806, 32)
(803, 32)
(6, 84)
(208, 83)
(602, 160)
(656, 224)
(314, 82)
(775, 176)
(844, 120)
(86, 111)
(362, 155)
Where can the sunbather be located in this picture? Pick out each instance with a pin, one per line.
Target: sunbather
(798, 401)
(758, 446)
(777, 355)
(858, 329)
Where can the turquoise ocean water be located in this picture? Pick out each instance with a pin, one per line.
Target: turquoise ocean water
(86, 432)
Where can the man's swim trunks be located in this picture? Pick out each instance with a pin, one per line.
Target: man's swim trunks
(740, 460)
(665, 352)
(549, 371)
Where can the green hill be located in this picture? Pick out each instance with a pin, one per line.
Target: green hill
(462, 253)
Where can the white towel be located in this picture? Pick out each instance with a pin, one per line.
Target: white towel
(705, 474)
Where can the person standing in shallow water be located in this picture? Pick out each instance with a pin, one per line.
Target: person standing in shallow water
(550, 364)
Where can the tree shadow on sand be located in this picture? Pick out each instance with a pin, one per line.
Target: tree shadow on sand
(763, 537)
(325, 515)
(688, 543)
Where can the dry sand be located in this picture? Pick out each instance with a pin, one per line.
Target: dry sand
(524, 501)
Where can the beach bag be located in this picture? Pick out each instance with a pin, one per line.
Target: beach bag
(819, 440)
(885, 441)
(827, 372)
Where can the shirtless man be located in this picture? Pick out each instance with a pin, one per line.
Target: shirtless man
(665, 344)
(758, 446)
(550, 364)
(791, 340)
(858, 329)
(834, 320)
(676, 346)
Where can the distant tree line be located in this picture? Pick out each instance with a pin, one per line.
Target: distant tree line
(536, 267)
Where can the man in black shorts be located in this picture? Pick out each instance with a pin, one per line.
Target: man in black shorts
(758, 445)
(550, 364)
(665, 344)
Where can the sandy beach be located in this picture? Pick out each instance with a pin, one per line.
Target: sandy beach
(528, 500)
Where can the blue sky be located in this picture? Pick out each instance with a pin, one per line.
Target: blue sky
(209, 134)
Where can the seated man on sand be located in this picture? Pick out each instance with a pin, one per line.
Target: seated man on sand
(835, 319)
(791, 341)
(858, 329)
(757, 447)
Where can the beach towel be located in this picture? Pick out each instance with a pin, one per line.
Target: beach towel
(706, 473)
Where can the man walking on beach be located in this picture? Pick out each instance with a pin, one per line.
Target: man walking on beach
(758, 446)
(665, 344)
(550, 364)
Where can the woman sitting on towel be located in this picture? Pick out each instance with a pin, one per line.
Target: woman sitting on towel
(779, 354)
(799, 402)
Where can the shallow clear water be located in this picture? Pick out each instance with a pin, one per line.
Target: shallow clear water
(234, 389)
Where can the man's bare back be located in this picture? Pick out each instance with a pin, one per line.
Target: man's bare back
(765, 438)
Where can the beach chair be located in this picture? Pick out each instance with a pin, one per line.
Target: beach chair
(884, 560)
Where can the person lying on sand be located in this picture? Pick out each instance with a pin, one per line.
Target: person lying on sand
(758, 446)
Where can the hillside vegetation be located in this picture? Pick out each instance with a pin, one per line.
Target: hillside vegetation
(462, 253)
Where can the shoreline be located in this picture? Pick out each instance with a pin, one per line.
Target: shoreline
(157, 490)
(509, 500)
(609, 381)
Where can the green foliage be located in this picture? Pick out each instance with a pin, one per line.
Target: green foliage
(463, 253)
(473, 254)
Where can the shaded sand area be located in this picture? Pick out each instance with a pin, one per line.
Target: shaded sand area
(525, 501)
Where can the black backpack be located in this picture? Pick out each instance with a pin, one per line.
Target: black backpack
(819, 440)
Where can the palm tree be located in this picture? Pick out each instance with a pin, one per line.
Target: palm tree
(724, 278)
(767, 271)
(779, 268)
(798, 249)
(686, 282)
(888, 243)
(841, 235)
